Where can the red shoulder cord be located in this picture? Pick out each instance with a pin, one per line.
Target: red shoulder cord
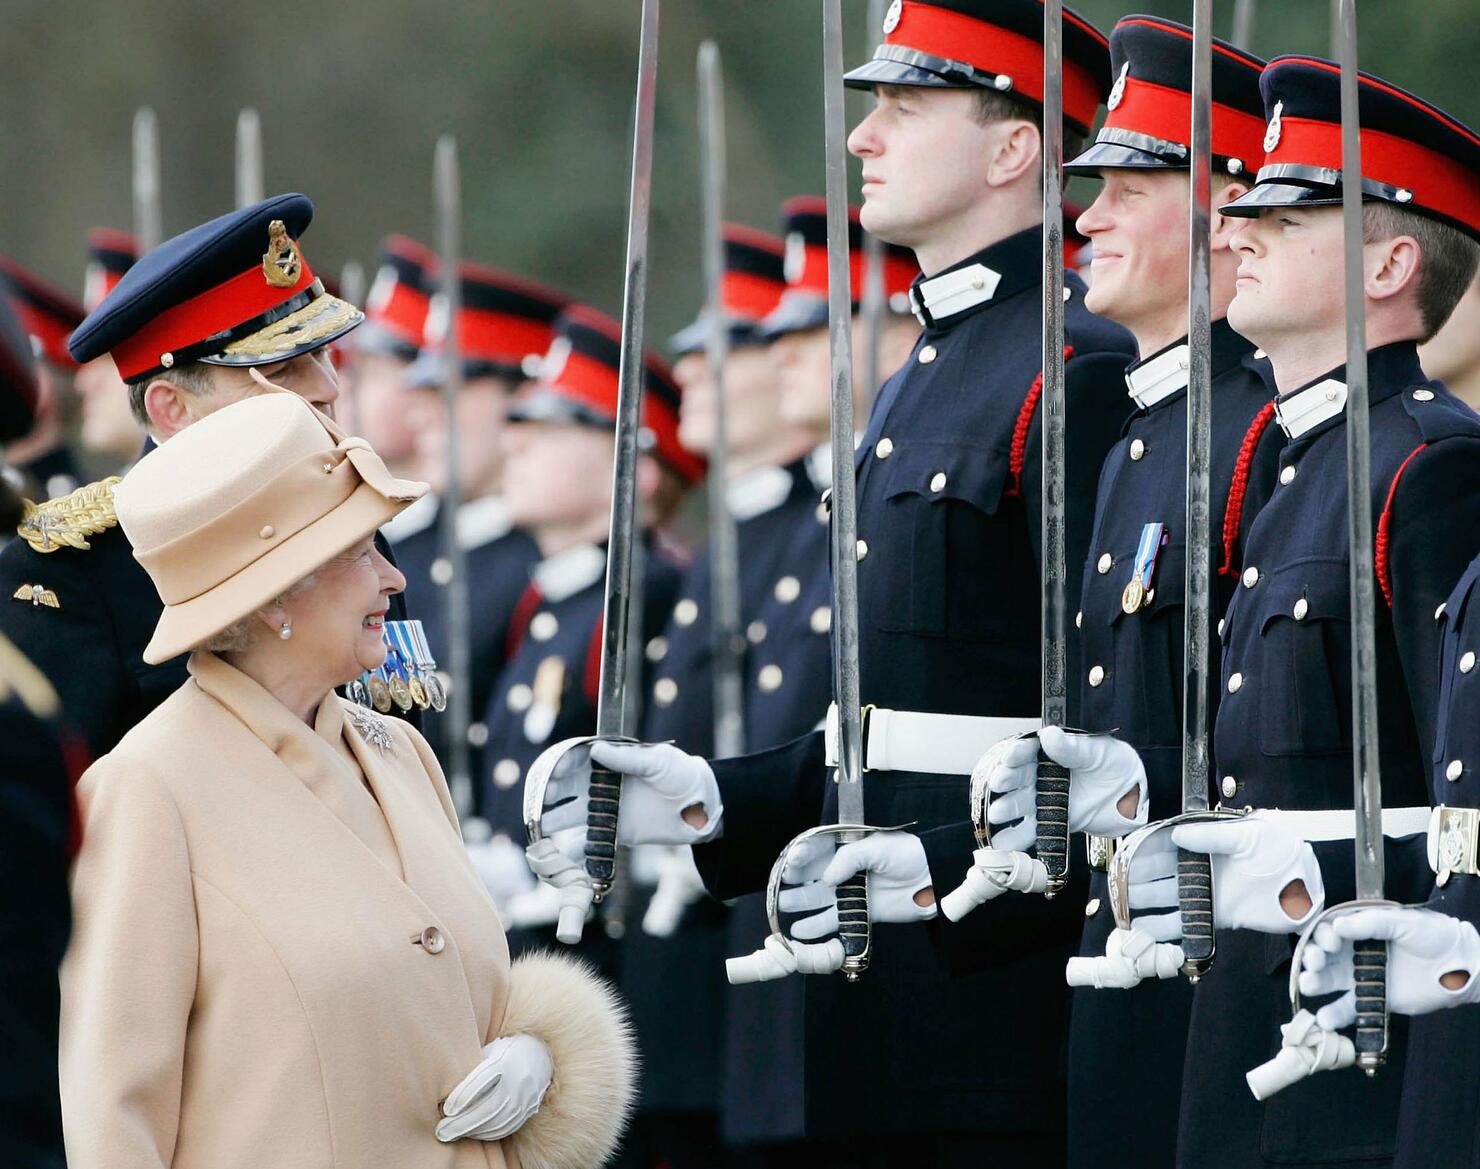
(1233, 511)
(1020, 433)
(1384, 532)
(524, 610)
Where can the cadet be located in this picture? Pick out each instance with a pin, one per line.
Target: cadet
(948, 488)
(187, 327)
(109, 430)
(505, 321)
(1131, 603)
(43, 457)
(1283, 734)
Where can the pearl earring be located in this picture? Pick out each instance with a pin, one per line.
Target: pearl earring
(286, 631)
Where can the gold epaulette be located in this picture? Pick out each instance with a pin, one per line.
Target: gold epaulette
(19, 676)
(68, 521)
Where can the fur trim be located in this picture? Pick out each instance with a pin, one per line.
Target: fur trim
(579, 1017)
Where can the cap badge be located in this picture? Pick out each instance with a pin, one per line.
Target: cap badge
(891, 18)
(1272, 135)
(794, 261)
(553, 364)
(1118, 92)
(281, 264)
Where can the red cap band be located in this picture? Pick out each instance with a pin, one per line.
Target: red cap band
(1166, 113)
(899, 273)
(749, 296)
(500, 337)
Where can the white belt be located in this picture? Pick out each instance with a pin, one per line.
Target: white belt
(939, 744)
(1454, 842)
(1340, 824)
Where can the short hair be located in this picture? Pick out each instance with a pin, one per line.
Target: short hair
(992, 106)
(1448, 264)
(194, 377)
(240, 634)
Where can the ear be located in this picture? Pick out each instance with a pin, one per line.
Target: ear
(168, 408)
(1016, 150)
(1223, 226)
(272, 616)
(1393, 266)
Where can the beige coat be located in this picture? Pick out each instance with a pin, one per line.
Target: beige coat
(250, 985)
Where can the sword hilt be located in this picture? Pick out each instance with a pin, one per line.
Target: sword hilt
(1195, 900)
(1369, 967)
(603, 806)
(853, 925)
(1052, 799)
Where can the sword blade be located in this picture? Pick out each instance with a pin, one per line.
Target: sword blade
(448, 184)
(1243, 23)
(249, 181)
(148, 220)
(724, 558)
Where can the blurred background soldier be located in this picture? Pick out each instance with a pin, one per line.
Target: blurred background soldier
(110, 435)
(1452, 355)
(44, 458)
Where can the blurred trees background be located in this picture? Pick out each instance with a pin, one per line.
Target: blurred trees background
(353, 95)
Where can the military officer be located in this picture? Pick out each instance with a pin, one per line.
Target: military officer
(1131, 602)
(48, 315)
(505, 321)
(1283, 733)
(188, 326)
(109, 430)
(949, 480)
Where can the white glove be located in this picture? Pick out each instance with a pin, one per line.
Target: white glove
(1130, 956)
(501, 866)
(1254, 859)
(500, 1094)
(679, 886)
(659, 782)
(1102, 771)
(1307, 1048)
(1422, 947)
(994, 872)
(1152, 889)
(896, 867)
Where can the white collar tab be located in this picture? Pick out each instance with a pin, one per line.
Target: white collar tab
(953, 292)
(1158, 377)
(1306, 409)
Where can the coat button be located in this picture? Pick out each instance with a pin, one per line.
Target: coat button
(506, 773)
(431, 940)
(821, 620)
(927, 354)
(441, 571)
(1455, 769)
(1138, 450)
(1105, 561)
(788, 589)
(1096, 675)
(519, 697)
(544, 626)
(1287, 476)
(884, 448)
(1222, 621)
(1251, 577)
(686, 612)
(755, 632)
(769, 678)
(1079, 619)
(477, 735)
(657, 649)
(665, 690)
(862, 549)
(1230, 787)
(1302, 607)
(1467, 663)
(1235, 683)
(1439, 612)
(1092, 907)
(938, 482)
(1423, 395)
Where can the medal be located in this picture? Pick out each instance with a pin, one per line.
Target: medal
(1139, 591)
(418, 693)
(357, 692)
(1133, 596)
(380, 693)
(436, 695)
(401, 693)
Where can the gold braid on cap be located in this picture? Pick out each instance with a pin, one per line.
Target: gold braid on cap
(320, 318)
(66, 522)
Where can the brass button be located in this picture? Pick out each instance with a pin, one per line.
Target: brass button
(431, 940)
(884, 448)
(938, 482)
(1222, 621)
(1467, 663)
(770, 678)
(1439, 612)
(1423, 395)
(1287, 476)
(441, 571)
(519, 697)
(1455, 769)
(506, 773)
(1138, 450)
(686, 612)
(1235, 683)
(788, 589)
(821, 620)
(927, 354)
(1251, 577)
(1079, 619)
(1105, 563)
(657, 649)
(1230, 787)
(477, 735)
(544, 626)
(1092, 907)
(1096, 675)
(862, 549)
(665, 690)
(1302, 607)
(755, 632)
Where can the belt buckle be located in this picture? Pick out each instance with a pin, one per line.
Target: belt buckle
(1455, 847)
(1099, 851)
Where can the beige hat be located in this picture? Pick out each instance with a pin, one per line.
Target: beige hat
(236, 508)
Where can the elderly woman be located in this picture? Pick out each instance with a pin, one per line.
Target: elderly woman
(282, 956)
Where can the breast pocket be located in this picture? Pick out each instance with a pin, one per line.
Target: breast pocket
(1305, 656)
(945, 555)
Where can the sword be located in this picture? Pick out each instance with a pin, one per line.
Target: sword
(873, 303)
(724, 562)
(148, 221)
(1243, 22)
(1052, 796)
(448, 181)
(1195, 869)
(249, 186)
